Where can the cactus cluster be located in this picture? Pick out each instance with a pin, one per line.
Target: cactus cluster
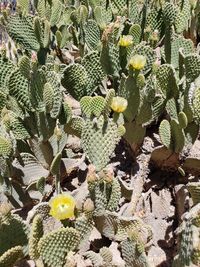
(110, 75)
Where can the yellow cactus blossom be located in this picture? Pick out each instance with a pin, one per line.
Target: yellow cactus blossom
(137, 62)
(62, 206)
(125, 40)
(119, 104)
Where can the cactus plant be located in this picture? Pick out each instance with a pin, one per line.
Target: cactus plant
(11, 256)
(35, 235)
(133, 251)
(21, 30)
(75, 78)
(13, 232)
(188, 253)
(49, 246)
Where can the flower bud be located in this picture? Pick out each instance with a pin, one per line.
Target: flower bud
(88, 205)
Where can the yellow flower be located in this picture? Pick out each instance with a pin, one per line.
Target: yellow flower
(119, 104)
(137, 62)
(62, 206)
(125, 40)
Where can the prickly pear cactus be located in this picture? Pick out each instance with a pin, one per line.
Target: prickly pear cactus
(98, 130)
(188, 252)
(96, 97)
(99, 139)
(133, 251)
(50, 244)
(10, 257)
(35, 235)
(13, 231)
(21, 30)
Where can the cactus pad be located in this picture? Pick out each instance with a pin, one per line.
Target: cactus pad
(75, 80)
(50, 246)
(13, 232)
(35, 235)
(99, 140)
(5, 147)
(9, 258)
(21, 30)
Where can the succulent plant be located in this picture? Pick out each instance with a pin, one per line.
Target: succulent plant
(49, 246)
(187, 230)
(35, 235)
(13, 232)
(116, 78)
(11, 256)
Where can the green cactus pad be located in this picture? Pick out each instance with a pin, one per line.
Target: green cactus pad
(183, 16)
(9, 258)
(19, 88)
(100, 199)
(53, 78)
(187, 48)
(94, 257)
(133, 255)
(192, 67)
(169, 13)
(134, 133)
(35, 235)
(144, 113)
(50, 246)
(92, 34)
(114, 196)
(13, 232)
(24, 66)
(135, 31)
(165, 133)
(101, 135)
(178, 136)
(65, 114)
(84, 226)
(107, 255)
(182, 119)
(108, 101)
(21, 30)
(121, 130)
(3, 100)
(85, 103)
(188, 253)
(167, 80)
(97, 105)
(24, 5)
(37, 25)
(48, 97)
(75, 80)
(92, 65)
(6, 68)
(171, 108)
(43, 8)
(17, 126)
(154, 20)
(5, 147)
(119, 5)
(110, 58)
(55, 165)
(56, 11)
(46, 34)
(75, 126)
(196, 104)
